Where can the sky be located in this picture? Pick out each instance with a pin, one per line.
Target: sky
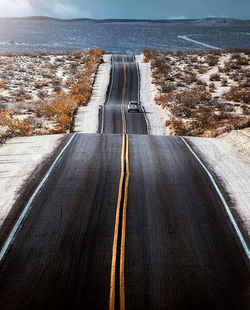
(138, 9)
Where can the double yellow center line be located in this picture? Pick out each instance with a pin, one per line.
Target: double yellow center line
(124, 127)
(117, 287)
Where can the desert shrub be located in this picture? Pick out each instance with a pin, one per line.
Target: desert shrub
(149, 54)
(244, 84)
(31, 66)
(212, 60)
(224, 82)
(214, 77)
(212, 87)
(57, 88)
(221, 69)
(60, 59)
(163, 99)
(2, 84)
(177, 126)
(41, 84)
(230, 65)
(243, 61)
(42, 94)
(77, 54)
(238, 95)
(192, 97)
(14, 124)
(168, 87)
(200, 82)
(10, 67)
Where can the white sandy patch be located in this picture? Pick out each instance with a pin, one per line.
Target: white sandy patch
(154, 113)
(86, 120)
(240, 140)
(233, 170)
(19, 157)
(219, 90)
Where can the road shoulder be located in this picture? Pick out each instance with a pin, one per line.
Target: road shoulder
(233, 171)
(87, 117)
(154, 113)
(24, 161)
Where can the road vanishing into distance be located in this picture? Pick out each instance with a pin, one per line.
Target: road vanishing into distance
(124, 87)
(124, 220)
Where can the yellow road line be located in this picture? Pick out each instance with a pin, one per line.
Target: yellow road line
(124, 175)
(114, 251)
(124, 215)
(123, 97)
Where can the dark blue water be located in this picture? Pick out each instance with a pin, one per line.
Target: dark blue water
(121, 37)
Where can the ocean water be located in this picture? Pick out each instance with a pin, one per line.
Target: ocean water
(122, 37)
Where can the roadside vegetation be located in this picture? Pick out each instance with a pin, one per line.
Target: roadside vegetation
(203, 93)
(39, 93)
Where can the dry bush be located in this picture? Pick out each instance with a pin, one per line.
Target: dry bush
(224, 82)
(230, 65)
(238, 95)
(164, 99)
(10, 67)
(149, 54)
(177, 126)
(214, 77)
(212, 87)
(42, 94)
(31, 66)
(2, 84)
(41, 84)
(245, 109)
(77, 54)
(167, 87)
(243, 61)
(244, 84)
(14, 124)
(212, 60)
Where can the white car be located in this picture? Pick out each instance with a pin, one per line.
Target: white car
(133, 106)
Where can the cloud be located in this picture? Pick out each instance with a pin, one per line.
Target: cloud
(55, 8)
(63, 10)
(11, 8)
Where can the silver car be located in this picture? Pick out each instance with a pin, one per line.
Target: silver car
(133, 106)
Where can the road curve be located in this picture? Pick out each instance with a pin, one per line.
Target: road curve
(124, 88)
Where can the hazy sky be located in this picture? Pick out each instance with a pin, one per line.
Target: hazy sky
(149, 9)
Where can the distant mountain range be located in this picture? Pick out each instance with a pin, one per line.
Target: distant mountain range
(209, 20)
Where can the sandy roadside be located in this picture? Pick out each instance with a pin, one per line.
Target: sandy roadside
(19, 157)
(233, 170)
(86, 120)
(154, 113)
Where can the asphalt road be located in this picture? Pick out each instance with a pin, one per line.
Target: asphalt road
(126, 222)
(61, 257)
(123, 88)
(181, 251)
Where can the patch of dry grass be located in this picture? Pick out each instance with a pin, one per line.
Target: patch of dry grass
(205, 93)
(42, 96)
